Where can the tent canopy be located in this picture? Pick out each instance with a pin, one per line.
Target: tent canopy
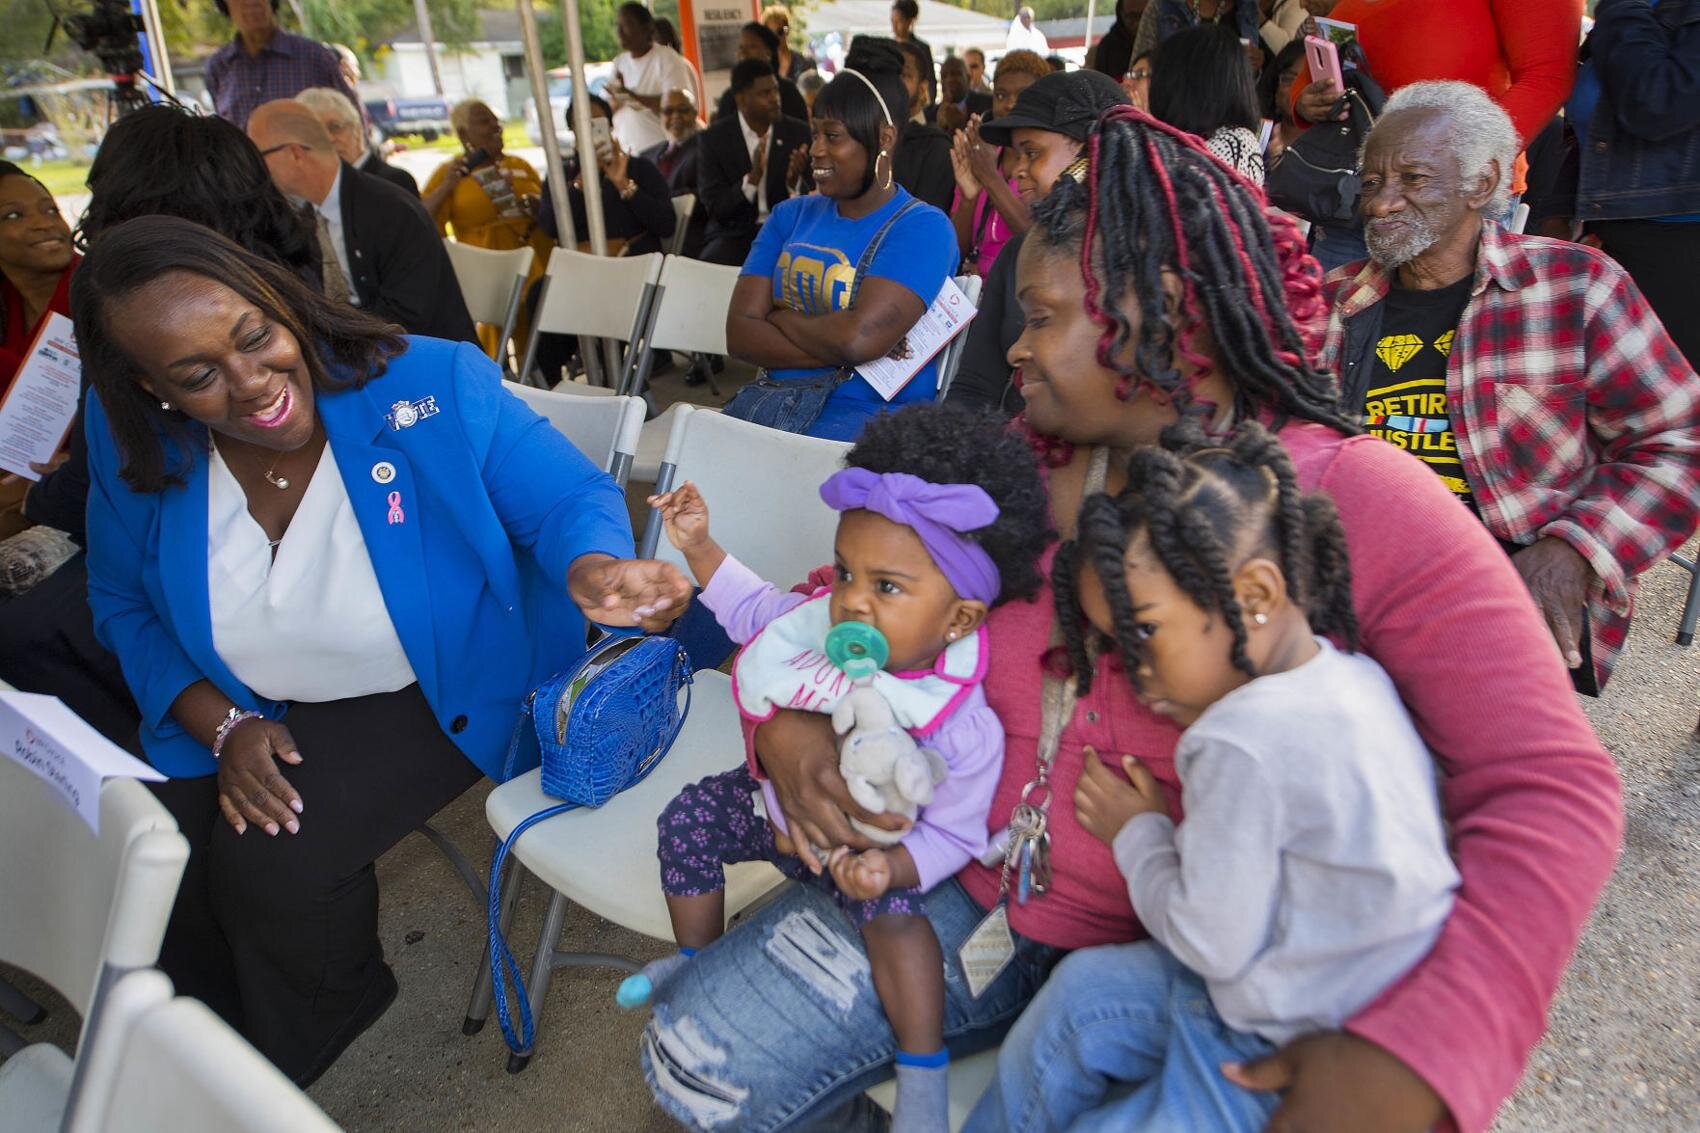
(940, 25)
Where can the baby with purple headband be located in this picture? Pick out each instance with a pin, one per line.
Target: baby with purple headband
(943, 516)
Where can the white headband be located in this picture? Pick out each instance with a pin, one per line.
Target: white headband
(869, 84)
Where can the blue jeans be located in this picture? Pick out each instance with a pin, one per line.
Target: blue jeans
(1122, 1038)
(777, 1024)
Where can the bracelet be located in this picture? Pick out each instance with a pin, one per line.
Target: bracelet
(629, 191)
(232, 718)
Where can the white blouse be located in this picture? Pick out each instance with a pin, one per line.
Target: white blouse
(311, 624)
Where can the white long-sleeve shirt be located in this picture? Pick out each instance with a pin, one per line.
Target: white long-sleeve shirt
(1310, 870)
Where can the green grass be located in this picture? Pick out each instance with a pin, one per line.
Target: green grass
(61, 177)
(513, 137)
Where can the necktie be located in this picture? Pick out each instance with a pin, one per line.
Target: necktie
(336, 285)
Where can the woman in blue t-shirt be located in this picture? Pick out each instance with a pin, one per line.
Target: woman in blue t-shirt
(802, 310)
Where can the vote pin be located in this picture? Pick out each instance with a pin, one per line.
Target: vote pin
(383, 472)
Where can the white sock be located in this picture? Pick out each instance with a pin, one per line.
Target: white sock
(923, 1093)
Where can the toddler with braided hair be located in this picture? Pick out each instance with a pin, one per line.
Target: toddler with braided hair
(1311, 871)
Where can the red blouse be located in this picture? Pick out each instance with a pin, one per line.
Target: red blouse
(15, 337)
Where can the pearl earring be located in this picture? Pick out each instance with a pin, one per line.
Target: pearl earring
(951, 636)
(1260, 618)
(166, 405)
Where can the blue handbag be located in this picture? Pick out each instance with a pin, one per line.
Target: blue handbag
(597, 729)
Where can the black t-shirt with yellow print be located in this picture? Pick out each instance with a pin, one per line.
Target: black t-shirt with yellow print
(1406, 401)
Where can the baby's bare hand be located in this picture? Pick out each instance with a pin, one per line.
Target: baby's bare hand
(685, 514)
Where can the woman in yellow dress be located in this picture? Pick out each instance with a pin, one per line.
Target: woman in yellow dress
(486, 198)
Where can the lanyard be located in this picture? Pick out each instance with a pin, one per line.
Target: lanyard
(1028, 857)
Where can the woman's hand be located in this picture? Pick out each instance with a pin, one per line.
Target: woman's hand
(860, 877)
(982, 156)
(1316, 102)
(1340, 1083)
(1104, 802)
(966, 183)
(250, 786)
(628, 592)
(615, 165)
(799, 755)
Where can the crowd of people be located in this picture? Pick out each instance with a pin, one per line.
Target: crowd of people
(1241, 584)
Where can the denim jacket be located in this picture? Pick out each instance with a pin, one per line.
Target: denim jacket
(1641, 155)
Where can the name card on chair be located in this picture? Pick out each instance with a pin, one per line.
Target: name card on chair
(39, 733)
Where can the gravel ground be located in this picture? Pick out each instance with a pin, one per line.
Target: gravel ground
(1623, 1051)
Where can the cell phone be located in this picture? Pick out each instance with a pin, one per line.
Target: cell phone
(1324, 60)
(476, 158)
(601, 138)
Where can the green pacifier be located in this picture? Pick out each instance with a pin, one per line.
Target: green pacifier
(857, 648)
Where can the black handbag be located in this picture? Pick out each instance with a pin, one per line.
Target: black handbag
(1317, 176)
(794, 404)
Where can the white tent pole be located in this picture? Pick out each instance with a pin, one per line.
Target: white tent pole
(589, 171)
(1091, 6)
(552, 171)
(429, 39)
(156, 47)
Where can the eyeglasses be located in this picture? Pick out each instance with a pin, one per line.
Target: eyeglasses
(666, 110)
(1140, 76)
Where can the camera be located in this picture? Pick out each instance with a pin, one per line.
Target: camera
(108, 31)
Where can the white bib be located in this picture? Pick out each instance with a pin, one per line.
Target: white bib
(786, 666)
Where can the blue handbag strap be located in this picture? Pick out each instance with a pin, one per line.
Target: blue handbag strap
(503, 966)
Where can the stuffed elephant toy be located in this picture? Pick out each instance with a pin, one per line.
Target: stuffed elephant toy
(885, 769)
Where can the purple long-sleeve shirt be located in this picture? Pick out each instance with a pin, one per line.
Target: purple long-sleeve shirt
(951, 830)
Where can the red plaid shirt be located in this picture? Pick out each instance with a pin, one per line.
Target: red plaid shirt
(1574, 413)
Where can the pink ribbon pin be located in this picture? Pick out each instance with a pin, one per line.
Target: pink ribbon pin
(396, 514)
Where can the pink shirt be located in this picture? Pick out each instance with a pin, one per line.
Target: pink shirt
(991, 230)
(1533, 800)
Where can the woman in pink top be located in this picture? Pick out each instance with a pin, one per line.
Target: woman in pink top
(989, 205)
(1158, 286)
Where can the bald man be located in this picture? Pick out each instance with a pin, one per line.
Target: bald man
(380, 250)
(677, 158)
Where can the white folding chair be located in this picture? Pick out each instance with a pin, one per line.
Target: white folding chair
(165, 1065)
(604, 297)
(969, 1078)
(78, 910)
(688, 314)
(760, 483)
(602, 426)
(950, 358)
(493, 285)
(683, 206)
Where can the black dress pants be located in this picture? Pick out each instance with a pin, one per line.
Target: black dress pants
(1661, 259)
(47, 645)
(280, 934)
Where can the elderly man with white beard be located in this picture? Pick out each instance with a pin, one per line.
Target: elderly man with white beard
(1528, 373)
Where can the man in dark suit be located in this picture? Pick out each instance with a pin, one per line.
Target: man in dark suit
(380, 250)
(348, 136)
(677, 159)
(747, 163)
(956, 101)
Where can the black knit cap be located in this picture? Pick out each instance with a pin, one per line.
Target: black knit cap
(1066, 102)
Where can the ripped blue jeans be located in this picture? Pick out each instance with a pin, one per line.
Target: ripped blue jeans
(777, 1025)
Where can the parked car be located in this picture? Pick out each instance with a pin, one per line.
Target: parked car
(560, 81)
(394, 116)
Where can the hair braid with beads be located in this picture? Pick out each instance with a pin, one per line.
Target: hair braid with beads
(1154, 199)
(1206, 507)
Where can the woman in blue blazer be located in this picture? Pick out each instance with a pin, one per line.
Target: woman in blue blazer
(331, 561)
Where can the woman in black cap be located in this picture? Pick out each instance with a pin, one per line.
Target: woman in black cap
(1046, 131)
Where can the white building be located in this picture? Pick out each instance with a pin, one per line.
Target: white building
(491, 68)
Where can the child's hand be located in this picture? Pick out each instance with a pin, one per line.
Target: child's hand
(863, 876)
(1104, 802)
(686, 516)
(782, 841)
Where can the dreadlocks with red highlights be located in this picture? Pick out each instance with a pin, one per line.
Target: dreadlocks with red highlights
(1153, 199)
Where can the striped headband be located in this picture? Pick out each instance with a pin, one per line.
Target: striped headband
(867, 82)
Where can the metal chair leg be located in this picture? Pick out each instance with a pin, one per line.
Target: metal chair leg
(542, 965)
(478, 1005)
(1690, 608)
(452, 852)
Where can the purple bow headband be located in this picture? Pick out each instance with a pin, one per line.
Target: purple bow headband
(938, 513)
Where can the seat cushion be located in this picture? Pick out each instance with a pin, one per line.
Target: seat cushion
(604, 859)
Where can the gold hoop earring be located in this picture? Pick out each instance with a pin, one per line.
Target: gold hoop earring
(888, 167)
